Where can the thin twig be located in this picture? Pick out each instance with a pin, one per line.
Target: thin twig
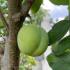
(26, 7)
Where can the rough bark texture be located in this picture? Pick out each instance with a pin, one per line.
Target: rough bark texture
(10, 60)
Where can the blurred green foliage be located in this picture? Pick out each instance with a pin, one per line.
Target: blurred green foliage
(26, 62)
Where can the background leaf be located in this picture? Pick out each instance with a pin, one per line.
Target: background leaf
(62, 47)
(59, 63)
(60, 2)
(58, 31)
(1, 24)
(35, 7)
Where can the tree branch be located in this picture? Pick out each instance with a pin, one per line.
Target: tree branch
(26, 7)
(24, 11)
(3, 19)
(2, 45)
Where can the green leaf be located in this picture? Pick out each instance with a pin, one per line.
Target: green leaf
(51, 59)
(59, 63)
(66, 57)
(58, 31)
(1, 24)
(60, 2)
(62, 47)
(35, 7)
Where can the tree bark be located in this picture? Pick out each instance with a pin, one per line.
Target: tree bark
(10, 60)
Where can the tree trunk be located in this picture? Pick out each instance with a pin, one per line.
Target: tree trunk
(10, 60)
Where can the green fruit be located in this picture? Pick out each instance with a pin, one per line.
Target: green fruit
(29, 38)
(43, 44)
(32, 40)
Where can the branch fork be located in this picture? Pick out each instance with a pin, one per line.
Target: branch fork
(24, 11)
